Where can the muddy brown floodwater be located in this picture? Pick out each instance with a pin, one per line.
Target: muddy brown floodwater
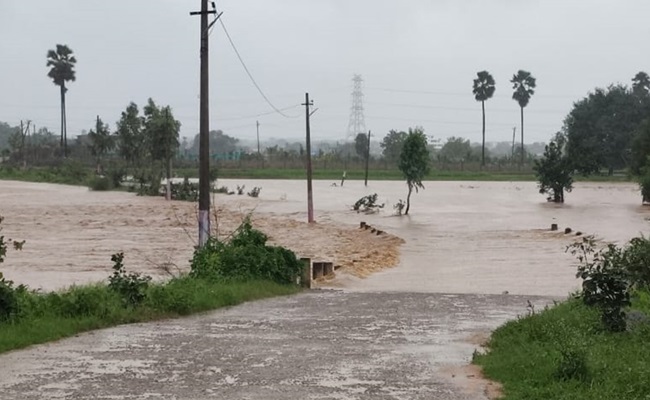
(408, 310)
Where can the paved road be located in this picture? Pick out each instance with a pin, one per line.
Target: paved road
(315, 345)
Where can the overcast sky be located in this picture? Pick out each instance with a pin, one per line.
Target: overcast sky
(418, 59)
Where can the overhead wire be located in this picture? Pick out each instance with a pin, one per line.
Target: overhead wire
(259, 89)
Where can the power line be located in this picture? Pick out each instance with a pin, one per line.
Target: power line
(232, 44)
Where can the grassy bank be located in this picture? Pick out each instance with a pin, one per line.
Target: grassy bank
(52, 316)
(563, 353)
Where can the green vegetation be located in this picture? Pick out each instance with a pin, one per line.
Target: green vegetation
(414, 162)
(62, 63)
(554, 171)
(593, 346)
(29, 317)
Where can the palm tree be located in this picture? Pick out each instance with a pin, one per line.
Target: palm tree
(62, 64)
(524, 84)
(483, 90)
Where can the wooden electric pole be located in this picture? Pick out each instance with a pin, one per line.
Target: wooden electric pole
(204, 128)
(367, 158)
(310, 198)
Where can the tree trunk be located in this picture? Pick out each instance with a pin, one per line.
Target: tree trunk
(522, 136)
(62, 116)
(408, 199)
(483, 147)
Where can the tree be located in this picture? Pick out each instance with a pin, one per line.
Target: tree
(414, 162)
(483, 90)
(640, 149)
(554, 171)
(456, 150)
(392, 145)
(361, 145)
(163, 134)
(600, 129)
(131, 139)
(523, 84)
(101, 142)
(62, 64)
(641, 84)
(219, 143)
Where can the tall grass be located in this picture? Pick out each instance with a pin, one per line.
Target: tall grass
(45, 317)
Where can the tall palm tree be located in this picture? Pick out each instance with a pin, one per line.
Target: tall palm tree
(524, 84)
(483, 90)
(62, 64)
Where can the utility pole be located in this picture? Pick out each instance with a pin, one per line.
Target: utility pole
(258, 137)
(367, 158)
(310, 198)
(512, 155)
(204, 127)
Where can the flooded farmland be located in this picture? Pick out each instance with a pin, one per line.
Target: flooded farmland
(461, 237)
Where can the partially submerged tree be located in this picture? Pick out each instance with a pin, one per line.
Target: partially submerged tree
(524, 85)
(483, 90)
(62, 63)
(101, 142)
(414, 162)
(361, 145)
(554, 170)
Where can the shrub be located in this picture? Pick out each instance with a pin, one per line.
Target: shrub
(605, 283)
(8, 293)
(240, 189)
(245, 257)
(255, 192)
(222, 189)
(132, 286)
(367, 203)
(185, 191)
(572, 366)
(100, 183)
(637, 262)
(399, 207)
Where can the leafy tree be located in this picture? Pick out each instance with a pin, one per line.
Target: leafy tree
(392, 145)
(101, 142)
(483, 90)
(600, 129)
(131, 138)
(641, 84)
(62, 63)
(414, 162)
(640, 148)
(523, 84)
(554, 171)
(219, 143)
(456, 150)
(361, 145)
(163, 134)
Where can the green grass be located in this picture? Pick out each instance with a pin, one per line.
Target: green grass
(44, 317)
(69, 174)
(526, 356)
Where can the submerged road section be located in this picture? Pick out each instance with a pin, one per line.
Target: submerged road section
(315, 345)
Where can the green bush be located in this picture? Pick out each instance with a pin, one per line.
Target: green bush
(132, 287)
(605, 281)
(245, 257)
(100, 183)
(572, 366)
(637, 262)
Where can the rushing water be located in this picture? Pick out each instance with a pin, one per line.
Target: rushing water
(461, 237)
(478, 237)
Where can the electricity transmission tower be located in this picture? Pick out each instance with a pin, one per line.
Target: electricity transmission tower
(357, 122)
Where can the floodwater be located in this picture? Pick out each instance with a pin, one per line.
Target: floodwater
(461, 237)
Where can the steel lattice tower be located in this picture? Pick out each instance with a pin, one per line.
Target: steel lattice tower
(357, 122)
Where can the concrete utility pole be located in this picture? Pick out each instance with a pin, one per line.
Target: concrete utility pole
(204, 127)
(367, 158)
(310, 198)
